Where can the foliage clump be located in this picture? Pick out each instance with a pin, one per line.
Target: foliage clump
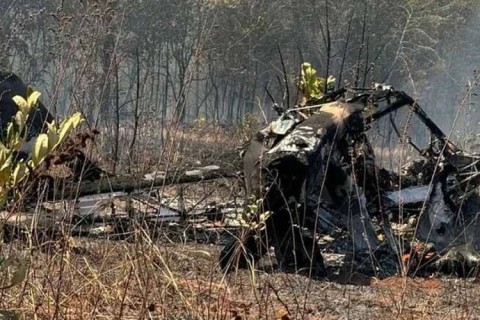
(254, 218)
(312, 86)
(13, 169)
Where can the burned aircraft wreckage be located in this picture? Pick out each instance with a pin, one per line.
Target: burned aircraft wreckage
(314, 169)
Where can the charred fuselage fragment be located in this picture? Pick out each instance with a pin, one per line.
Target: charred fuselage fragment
(305, 174)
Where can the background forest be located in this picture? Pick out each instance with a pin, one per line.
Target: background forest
(135, 65)
(212, 58)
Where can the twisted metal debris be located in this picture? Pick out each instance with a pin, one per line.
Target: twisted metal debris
(318, 172)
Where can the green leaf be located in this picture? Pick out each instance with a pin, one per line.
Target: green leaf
(19, 173)
(6, 165)
(25, 105)
(4, 153)
(53, 137)
(331, 82)
(5, 176)
(32, 99)
(40, 149)
(22, 104)
(20, 120)
(67, 125)
(10, 133)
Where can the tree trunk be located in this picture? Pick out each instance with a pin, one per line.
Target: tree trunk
(136, 113)
(117, 120)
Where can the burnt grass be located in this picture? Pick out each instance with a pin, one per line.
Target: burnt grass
(143, 279)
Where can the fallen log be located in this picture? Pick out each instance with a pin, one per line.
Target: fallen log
(130, 183)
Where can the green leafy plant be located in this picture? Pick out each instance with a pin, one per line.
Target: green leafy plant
(199, 123)
(312, 86)
(254, 217)
(248, 127)
(13, 171)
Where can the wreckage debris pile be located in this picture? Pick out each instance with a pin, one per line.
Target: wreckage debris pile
(316, 172)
